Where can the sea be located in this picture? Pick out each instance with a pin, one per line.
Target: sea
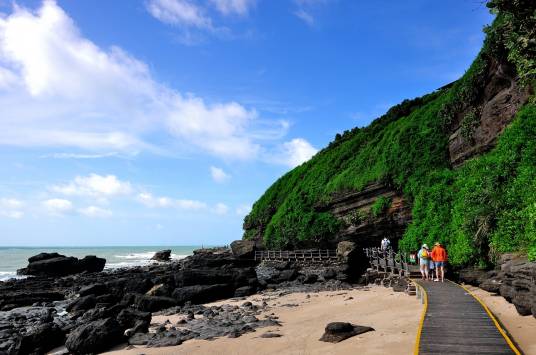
(13, 258)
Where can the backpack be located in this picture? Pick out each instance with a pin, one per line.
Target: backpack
(424, 254)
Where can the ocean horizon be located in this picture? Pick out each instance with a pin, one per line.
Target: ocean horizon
(13, 258)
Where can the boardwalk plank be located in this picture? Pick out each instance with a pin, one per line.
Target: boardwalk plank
(455, 323)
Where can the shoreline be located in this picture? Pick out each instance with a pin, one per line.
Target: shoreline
(303, 317)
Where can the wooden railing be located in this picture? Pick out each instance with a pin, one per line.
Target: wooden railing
(388, 261)
(313, 255)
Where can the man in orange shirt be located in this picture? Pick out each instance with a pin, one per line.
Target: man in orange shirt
(439, 256)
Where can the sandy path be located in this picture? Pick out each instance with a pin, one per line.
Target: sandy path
(395, 316)
(522, 329)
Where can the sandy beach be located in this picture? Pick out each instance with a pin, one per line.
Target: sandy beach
(521, 329)
(394, 316)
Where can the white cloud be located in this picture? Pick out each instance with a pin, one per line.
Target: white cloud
(305, 16)
(179, 12)
(218, 175)
(295, 152)
(306, 8)
(58, 206)
(221, 208)
(11, 208)
(95, 212)
(95, 185)
(166, 202)
(239, 7)
(59, 89)
(243, 209)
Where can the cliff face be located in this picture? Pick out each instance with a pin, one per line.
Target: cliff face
(354, 210)
(457, 165)
(477, 127)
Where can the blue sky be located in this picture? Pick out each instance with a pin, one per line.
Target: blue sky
(153, 122)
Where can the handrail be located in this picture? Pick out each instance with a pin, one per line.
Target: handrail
(388, 260)
(296, 255)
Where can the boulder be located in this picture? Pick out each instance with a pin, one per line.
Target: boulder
(162, 255)
(338, 331)
(154, 303)
(243, 249)
(192, 277)
(44, 256)
(287, 275)
(40, 339)
(345, 250)
(54, 264)
(244, 291)
(131, 318)
(91, 263)
(95, 337)
(202, 293)
(329, 274)
(473, 276)
(310, 278)
(354, 261)
(82, 304)
(93, 289)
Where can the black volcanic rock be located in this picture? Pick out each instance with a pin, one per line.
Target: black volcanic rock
(202, 293)
(338, 331)
(162, 255)
(243, 248)
(131, 318)
(154, 303)
(95, 337)
(93, 289)
(54, 264)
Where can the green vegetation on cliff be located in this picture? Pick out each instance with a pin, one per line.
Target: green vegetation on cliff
(485, 207)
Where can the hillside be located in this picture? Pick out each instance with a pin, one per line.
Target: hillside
(457, 165)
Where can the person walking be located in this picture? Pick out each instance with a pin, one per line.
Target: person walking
(439, 257)
(385, 245)
(432, 269)
(424, 261)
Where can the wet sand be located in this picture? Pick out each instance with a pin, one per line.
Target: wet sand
(394, 316)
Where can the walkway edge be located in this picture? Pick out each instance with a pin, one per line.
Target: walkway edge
(493, 318)
(421, 322)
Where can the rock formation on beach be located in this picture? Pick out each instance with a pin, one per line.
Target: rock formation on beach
(162, 255)
(92, 311)
(54, 264)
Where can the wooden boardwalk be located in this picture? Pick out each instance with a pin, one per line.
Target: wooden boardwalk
(455, 322)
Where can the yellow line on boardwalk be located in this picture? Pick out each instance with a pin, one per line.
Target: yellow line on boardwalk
(421, 322)
(495, 321)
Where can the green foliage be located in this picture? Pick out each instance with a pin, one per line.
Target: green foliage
(470, 122)
(380, 206)
(515, 30)
(532, 253)
(486, 207)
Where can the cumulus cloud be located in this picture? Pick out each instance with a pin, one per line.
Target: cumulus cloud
(94, 185)
(294, 152)
(57, 206)
(219, 175)
(11, 208)
(59, 89)
(221, 208)
(166, 202)
(95, 212)
(238, 7)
